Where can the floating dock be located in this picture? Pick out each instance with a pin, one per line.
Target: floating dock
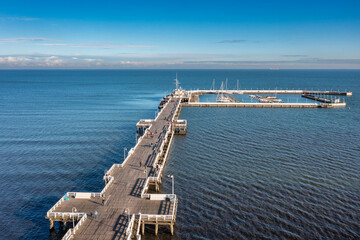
(129, 200)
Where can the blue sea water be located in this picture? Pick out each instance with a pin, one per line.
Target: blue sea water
(239, 173)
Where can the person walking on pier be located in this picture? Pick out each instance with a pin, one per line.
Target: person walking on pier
(96, 214)
(140, 163)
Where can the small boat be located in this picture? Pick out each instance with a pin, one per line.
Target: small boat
(270, 97)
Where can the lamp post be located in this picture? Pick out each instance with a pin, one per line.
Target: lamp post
(73, 210)
(125, 149)
(172, 181)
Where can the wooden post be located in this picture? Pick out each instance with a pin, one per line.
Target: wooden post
(156, 228)
(172, 228)
(51, 224)
(143, 228)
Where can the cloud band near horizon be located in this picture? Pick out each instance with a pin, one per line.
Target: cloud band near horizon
(159, 62)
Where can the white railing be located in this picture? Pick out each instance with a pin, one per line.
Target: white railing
(73, 194)
(160, 152)
(163, 217)
(146, 187)
(56, 205)
(107, 186)
(180, 122)
(162, 146)
(176, 110)
(168, 149)
(79, 223)
(144, 121)
(129, 228)
(71, 232)
(157, 196)
(68, 235)
(165, 157)
(157, 217)
(65, 214)
(92, 194)
(138, 236)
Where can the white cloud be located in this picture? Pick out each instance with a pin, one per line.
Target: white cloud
(97, 45)
(90, 59)
(27, 19)
(15, 40)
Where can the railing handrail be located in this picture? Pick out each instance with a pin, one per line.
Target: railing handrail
(107, 186)
(93, 194)
(129, 228)
(146, 186)
(61, 200)
(71, 232)
(66, 214)
(138, 230)
(68, 235)
(157, 216)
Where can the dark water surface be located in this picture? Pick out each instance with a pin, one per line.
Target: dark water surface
(239, 173)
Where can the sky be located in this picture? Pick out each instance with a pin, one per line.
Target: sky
(256, 34)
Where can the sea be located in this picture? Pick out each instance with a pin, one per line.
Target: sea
(239, 173)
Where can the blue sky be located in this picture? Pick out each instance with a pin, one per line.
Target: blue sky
(180, 34)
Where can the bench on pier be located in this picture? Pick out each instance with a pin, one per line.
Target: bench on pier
(83, 195)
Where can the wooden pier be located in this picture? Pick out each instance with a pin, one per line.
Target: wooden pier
(125, 205)
(268, 91)
(265, 105)
(320, 99)
(127, 202)
(193, 99)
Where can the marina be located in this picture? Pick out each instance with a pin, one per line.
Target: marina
(129, 201)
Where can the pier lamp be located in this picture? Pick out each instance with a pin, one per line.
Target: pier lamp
(172, 181)
(73, 210)
(125, 149)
